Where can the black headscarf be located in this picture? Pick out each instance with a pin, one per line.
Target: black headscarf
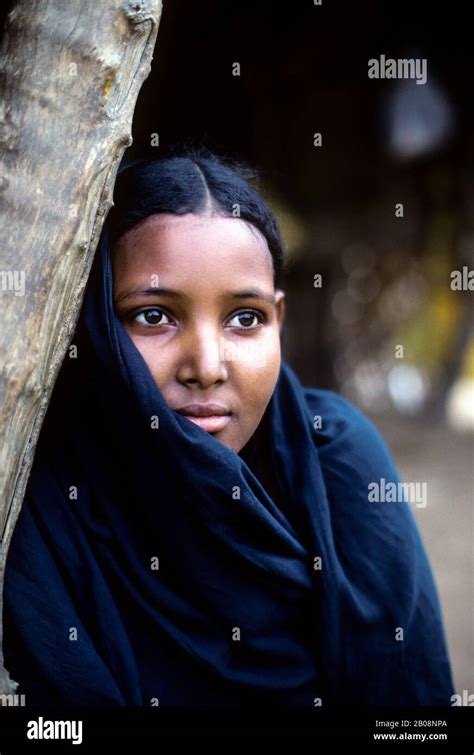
(150, 563)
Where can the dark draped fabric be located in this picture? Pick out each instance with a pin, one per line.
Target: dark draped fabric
(137, 588)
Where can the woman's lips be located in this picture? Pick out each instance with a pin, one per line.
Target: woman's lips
(212, 424)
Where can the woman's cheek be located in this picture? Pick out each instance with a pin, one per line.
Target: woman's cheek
(154, 356)
(258, 370)
(260, 355)
(269, 359)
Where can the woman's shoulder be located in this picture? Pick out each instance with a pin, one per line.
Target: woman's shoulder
(357, 468)
(337, 410)
(336, 417)
(346, 436)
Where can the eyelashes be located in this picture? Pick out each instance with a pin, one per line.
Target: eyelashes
(157, 316)
(153, 314)
(259, 316)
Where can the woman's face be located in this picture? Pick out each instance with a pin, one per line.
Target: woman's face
(196, 296)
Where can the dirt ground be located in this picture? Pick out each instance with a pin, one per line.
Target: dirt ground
(431, 452)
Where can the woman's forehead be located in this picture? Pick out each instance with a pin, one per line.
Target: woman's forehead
(194, 243)
(211, 222)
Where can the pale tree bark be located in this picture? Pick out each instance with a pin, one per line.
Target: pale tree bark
(70, 73)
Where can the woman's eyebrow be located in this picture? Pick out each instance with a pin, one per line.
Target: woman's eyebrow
(149, 292)
(254, 293)
(251, 294)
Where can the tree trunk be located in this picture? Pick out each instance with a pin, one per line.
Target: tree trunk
(70, 74)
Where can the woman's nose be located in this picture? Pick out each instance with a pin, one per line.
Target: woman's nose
(202, 361)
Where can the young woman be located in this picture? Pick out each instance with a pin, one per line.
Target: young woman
(197, 528)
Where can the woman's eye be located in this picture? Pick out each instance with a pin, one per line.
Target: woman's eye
(246, 320)
(152, 317)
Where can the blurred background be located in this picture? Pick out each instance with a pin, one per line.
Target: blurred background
(382, 210)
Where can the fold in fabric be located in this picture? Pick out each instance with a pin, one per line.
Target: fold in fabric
(137, 589)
